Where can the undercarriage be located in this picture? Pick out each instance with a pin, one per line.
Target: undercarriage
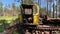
(33, 29)
(42, 29)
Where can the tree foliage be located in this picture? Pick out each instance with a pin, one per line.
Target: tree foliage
(13, 6)
(28, 1)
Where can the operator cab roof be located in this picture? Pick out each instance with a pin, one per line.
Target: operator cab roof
(27, 6)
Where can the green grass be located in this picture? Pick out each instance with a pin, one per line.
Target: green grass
(8, 17)
(7, 20)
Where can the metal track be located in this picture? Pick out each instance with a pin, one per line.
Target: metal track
(38, 30)
(32, 32)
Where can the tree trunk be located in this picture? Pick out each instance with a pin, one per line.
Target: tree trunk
(47, 6)
(50, 9)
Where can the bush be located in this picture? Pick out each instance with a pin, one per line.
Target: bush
(3, 25)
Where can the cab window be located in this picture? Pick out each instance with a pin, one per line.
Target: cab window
(28, 11)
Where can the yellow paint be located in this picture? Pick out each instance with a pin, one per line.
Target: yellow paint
(20, 18)
(36, 16)
(36, 21)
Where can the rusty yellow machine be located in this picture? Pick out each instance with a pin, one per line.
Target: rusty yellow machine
(29, 17)
(30, 21)
(29, 14)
